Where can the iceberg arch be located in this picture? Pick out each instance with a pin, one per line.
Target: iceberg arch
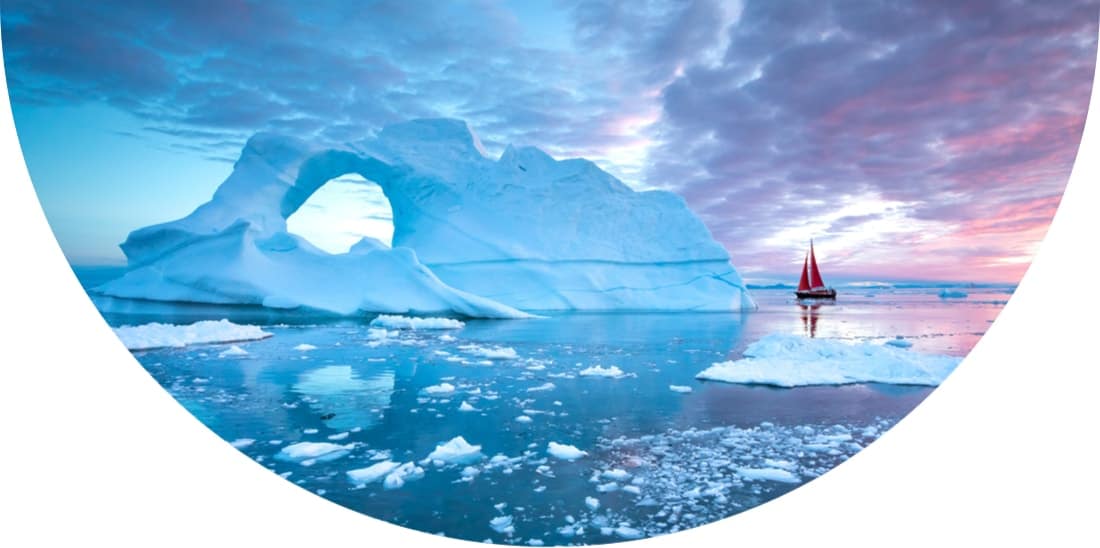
(472, 236)
(342, 213)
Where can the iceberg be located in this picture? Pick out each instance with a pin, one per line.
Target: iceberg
(785, 360)
(473, 236)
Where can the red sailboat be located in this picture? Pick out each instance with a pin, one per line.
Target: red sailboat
(810, 286)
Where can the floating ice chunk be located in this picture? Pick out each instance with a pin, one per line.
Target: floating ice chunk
(523, 419)
(380, 334)
(791, 360)
(952, 294)
(233, 351)
(502, 524)
(305, 347)
(679, 388)
(616, 474)
(769, 474)
(632, 489)
(592, 503)
(466, 407)
(456, 451)
(338, 437)
(899, 342)
(607, 487)
(542, 387)
(564, 452)
(313, 451)
(241, 443)
(160, 335)
(490, 353)
(436, 389)
(372, 473)
(404, 473)
(628, 533)
(447, 337)
(406, 322)
(599, 371)
(310, 431)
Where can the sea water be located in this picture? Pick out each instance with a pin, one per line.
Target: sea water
(657, 450)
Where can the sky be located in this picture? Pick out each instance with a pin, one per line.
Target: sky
(925, 140)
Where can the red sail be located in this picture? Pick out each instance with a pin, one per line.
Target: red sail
(804, 283)
(815, 276)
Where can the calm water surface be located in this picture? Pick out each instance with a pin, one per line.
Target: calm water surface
(657, 460)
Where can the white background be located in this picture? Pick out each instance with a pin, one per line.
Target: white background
(93, 451)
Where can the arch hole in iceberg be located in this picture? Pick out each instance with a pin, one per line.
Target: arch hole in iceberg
(342, 212)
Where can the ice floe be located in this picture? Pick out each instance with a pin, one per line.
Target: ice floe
(372, 473)
(305, 347)
(401, 474)
(563, 451)
(308, 452)
(407, 322)
(600, 371)
(770, 474)
(437, 389)
(456, 451)
(241, 443)
(159, 335)
(679, 388)
(792, 360)
(233, 350)
(490, 352)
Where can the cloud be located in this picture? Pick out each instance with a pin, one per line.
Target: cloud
(768, 117)
(963, 112)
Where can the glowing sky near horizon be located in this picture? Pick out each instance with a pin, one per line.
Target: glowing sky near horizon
(911, 140)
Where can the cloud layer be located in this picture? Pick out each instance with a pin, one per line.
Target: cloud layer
(944, 129)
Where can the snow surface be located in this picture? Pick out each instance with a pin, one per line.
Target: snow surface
(564, 452)
(472, 236)
(405, 322)
(791, 360)
(160, 335)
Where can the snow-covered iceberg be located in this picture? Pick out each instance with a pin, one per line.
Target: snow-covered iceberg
(472, 236)
(791, 360)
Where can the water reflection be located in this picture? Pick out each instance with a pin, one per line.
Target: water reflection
(338, 389)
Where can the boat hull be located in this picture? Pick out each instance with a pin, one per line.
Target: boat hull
(828, 294)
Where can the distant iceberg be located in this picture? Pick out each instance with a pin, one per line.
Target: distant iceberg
(472, 236)
(792, 360)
